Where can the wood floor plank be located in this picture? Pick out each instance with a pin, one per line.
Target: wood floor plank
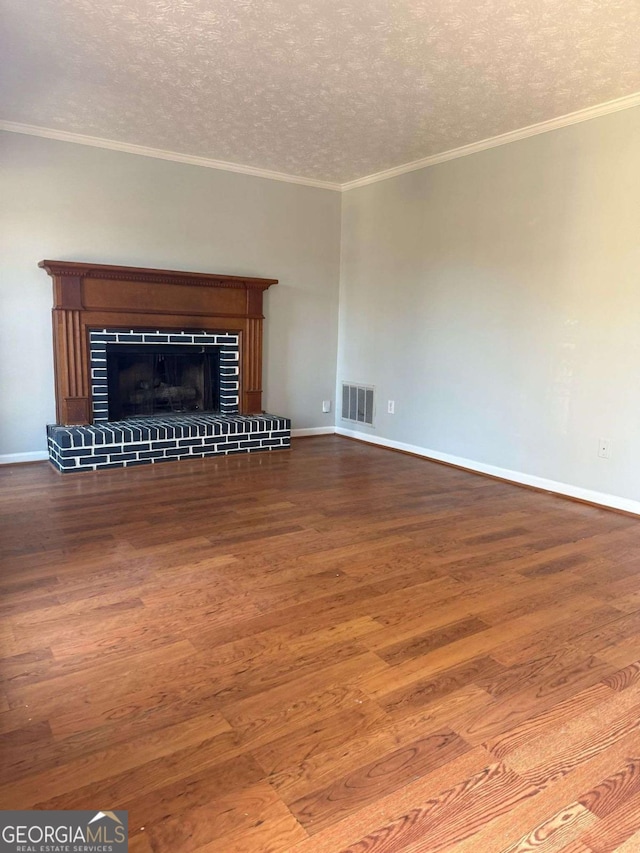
(326, 766)
(518, 708)
(294, 748)
(546, 722)
(281, 710)
(631, 845)
(365, 785)
(616, 828)
(167, 786)
(426, 691)
(566, 629)
(188, 744)
(246, 814)
(582, 737)
(537, 594)
(610, 633)
(457, 813)
(510, 680)
(556, 832)
(614, 790)
(279, 831)
(422, 644)
(334, 649)
(520, 820)
(392, 807)
(621, 654)
(492, 642)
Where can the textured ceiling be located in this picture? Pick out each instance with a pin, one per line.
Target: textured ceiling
(326, 89)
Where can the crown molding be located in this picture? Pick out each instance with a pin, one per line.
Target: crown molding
(503, 139)
(160, 154)
(576, 117)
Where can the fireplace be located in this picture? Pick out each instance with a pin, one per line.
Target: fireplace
(156, 365)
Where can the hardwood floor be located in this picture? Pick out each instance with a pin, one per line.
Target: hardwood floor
(334, 650)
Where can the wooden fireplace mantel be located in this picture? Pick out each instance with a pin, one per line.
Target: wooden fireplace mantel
(95, 296)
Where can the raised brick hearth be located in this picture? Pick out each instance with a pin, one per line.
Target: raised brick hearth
(163, 439)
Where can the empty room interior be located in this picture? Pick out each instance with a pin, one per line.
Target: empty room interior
(319, 425)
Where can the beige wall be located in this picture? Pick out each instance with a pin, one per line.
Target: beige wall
(67, 201)
(496, 299)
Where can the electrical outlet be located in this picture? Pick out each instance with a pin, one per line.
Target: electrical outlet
(604, 448)
(391, 407)
(326, 405)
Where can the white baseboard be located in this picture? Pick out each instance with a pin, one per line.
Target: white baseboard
(301, 433)
(15, 458)
(589, 495)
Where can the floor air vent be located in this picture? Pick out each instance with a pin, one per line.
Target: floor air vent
(357, 403)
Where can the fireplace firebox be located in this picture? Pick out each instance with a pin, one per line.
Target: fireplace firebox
(142, 382)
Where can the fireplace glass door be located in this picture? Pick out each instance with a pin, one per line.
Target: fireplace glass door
(145, 380)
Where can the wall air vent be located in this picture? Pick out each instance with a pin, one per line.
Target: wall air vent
(357, 403)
